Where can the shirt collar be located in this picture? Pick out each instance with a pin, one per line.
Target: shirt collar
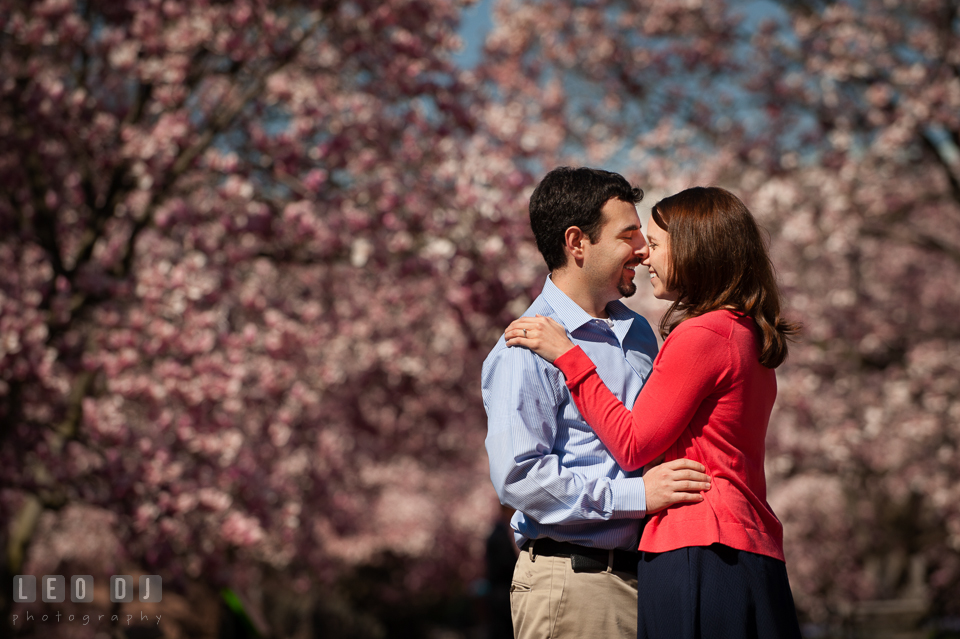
(572, 316)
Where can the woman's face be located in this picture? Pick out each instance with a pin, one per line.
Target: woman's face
(658, 262)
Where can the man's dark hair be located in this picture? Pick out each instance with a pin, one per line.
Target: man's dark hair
(569, 197)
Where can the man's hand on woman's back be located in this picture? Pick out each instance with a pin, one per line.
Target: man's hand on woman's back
(680, 481)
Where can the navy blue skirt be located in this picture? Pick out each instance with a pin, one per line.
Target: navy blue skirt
(714, 591)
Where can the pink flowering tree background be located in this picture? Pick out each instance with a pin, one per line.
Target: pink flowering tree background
(839, 125)
(253, 260)
(254, 253)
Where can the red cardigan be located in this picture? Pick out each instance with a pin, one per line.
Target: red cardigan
(707, 399)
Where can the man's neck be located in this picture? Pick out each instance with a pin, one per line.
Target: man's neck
(575, 286)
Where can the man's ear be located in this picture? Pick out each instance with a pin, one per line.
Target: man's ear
(573, 241)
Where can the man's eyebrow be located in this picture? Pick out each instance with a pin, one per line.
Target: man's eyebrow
(632, 227)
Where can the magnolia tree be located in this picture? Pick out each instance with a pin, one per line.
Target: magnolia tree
(254, 254)
(839, 125)
(870, 245)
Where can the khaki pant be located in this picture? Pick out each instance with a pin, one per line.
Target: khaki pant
(550, 601)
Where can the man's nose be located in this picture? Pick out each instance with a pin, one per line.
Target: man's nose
(643, 250)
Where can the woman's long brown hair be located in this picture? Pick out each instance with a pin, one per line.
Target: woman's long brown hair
(719, 260)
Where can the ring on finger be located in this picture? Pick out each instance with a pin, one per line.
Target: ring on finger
(524, 333)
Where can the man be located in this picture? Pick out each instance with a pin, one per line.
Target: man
(578, 513)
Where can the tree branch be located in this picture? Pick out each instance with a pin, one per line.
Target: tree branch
(44, 221)
(951, 169)
(217, 125)
(21, 531)
(120, 184)
(911, 236)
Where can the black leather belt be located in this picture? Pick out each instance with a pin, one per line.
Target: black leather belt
(584, 559)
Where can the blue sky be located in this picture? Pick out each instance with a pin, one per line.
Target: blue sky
(478, 20)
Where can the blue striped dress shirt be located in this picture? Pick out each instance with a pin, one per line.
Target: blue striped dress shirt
(545, 461)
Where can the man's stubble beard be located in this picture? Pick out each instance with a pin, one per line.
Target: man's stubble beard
(626, 289)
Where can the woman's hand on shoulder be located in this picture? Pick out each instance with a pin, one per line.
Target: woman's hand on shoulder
(542, 335)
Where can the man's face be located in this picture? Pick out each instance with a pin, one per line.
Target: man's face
(611, 263)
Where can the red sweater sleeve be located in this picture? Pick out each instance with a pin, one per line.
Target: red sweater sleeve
(691, 365)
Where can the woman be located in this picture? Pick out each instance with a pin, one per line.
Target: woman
(713, 568)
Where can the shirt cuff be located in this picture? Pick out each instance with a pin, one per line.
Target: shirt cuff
(575, 365)
(629, 498)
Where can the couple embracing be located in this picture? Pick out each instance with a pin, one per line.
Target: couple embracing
(638, 476)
